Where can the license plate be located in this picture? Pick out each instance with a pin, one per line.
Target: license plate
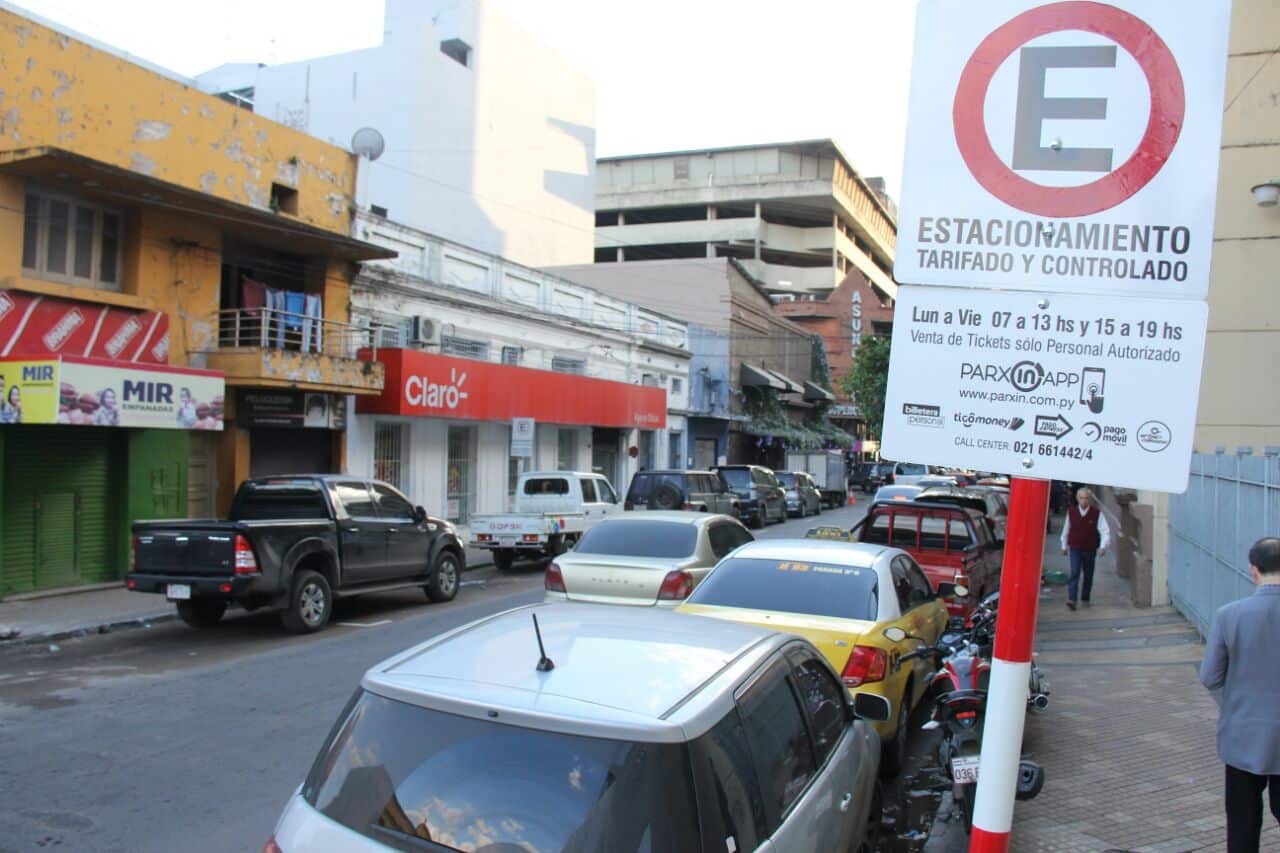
(964, 769)
(178, 592)
(506, 541)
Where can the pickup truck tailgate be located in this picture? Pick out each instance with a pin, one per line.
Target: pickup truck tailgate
(207, 550)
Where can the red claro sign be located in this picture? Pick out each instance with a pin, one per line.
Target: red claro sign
(428, 385)
(1069, 147)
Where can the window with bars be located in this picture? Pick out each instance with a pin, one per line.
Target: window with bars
(465, 348)
(389, 455)
(677, 385)
(560, 364)
(512, 355)
(68, 240)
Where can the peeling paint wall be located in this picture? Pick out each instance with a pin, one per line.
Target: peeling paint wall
(59, 92)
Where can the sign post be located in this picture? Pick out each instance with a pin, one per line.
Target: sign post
(1054, 244)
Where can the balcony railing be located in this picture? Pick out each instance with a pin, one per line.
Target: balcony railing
(270, 328)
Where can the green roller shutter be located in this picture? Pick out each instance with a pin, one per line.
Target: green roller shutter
(60, 506)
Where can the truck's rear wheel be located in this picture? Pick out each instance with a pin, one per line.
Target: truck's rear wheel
(445, 577)
(201, 614)
(310, 604)
(503, 558)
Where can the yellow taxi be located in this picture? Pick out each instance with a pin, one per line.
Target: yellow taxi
(841, 596)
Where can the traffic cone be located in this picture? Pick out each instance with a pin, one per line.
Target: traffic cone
(852, 499)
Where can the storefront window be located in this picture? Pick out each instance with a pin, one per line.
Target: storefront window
(567, 451)
(677, 449)
(389, 455)
(462, 473)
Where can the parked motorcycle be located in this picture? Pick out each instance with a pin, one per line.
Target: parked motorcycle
(980, 627)
(959, 705)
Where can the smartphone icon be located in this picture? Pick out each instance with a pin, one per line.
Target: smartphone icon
(1093, 385)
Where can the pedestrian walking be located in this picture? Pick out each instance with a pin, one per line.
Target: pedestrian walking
(1241, 660)
(1085, 535)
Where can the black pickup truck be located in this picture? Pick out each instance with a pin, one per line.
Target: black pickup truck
(294, 544)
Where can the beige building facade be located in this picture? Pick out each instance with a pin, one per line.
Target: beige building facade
(1239, 407)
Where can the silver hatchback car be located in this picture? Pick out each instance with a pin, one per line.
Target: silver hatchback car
(635, 731)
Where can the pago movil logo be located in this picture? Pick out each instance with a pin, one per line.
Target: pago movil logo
(421, 391)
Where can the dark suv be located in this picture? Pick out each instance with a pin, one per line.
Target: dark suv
(761, 497)
(697, 491)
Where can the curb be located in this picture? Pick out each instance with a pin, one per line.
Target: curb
(143, 621)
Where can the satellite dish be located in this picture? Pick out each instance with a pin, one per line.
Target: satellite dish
(367, 142)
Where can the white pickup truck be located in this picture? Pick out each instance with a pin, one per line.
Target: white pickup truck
(553, 509)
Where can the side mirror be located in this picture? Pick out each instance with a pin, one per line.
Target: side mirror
(894, 634)
(419, 514)
(868, 706)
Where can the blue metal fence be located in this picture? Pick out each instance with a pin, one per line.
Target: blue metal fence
(1231, 502)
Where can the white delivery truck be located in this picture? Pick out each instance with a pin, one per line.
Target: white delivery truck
(828, 470)
(552, 511)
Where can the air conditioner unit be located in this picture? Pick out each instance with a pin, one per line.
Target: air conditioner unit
(423, 330)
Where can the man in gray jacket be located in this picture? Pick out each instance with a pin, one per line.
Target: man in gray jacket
(1241, 659)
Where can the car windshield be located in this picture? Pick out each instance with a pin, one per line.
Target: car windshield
(627, 538)
(897, 493)
(910, 469)
(737, 478)
(813, 589)
(284, 503)
(787, 479)
(404, 775)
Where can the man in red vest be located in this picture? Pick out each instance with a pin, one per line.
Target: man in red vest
(1085, 535)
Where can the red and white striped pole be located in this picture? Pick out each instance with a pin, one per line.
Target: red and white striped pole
(1010, 667)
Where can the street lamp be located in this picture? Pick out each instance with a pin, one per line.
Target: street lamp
(1267, 194)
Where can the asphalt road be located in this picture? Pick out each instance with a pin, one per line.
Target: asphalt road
(173, 739)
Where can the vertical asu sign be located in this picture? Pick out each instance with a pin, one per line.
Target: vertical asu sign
(1064, 146)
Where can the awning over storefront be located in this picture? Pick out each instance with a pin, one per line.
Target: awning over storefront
(790, 386)
(758, 377)
(816, 394)
(40, 326)
(98, 392)
(439, 386)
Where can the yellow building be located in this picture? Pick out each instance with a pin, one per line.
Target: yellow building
(174, 304)
(1239, 404)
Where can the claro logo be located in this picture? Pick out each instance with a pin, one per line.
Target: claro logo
(421, 391)
(1025, 376)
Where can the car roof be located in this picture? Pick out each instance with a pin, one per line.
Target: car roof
(861, 555)
(674, 516)
(926, 506)
(676, 471)
(622, 672)
(561, 474)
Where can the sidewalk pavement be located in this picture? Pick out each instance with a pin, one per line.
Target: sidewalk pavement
(49, 618)
(1128, 740)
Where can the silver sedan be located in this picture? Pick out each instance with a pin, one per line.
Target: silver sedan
(647, 559)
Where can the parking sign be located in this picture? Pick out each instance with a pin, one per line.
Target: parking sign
(1064, 146)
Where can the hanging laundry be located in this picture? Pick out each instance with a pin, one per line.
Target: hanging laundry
(275, 322)
(311, 324)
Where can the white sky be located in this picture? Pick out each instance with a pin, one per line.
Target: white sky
(669, 74)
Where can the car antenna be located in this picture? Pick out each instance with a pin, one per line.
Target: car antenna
(545, 664)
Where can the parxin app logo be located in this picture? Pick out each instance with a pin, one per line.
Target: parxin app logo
(1025, 376)
(921, 414)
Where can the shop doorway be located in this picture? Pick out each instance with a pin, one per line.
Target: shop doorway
(605, 454)
(62, 501)
(461, 489)
(290, 451)
(202, 478)
(704, 453)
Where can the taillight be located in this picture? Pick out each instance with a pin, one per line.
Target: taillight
(687, 507)
(866, 664)
(246, 563)
(271, 847)
(483, 537)
(530, 537)
(554, 580)
(676, 586)
(133, 555)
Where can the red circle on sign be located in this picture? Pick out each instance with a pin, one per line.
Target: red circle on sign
(1168, 109)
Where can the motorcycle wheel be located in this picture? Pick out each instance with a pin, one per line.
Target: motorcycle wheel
(966, 806)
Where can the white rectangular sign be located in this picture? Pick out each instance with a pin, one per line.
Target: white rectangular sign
(1089, 389)
(522, 437)
(1067, 147)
